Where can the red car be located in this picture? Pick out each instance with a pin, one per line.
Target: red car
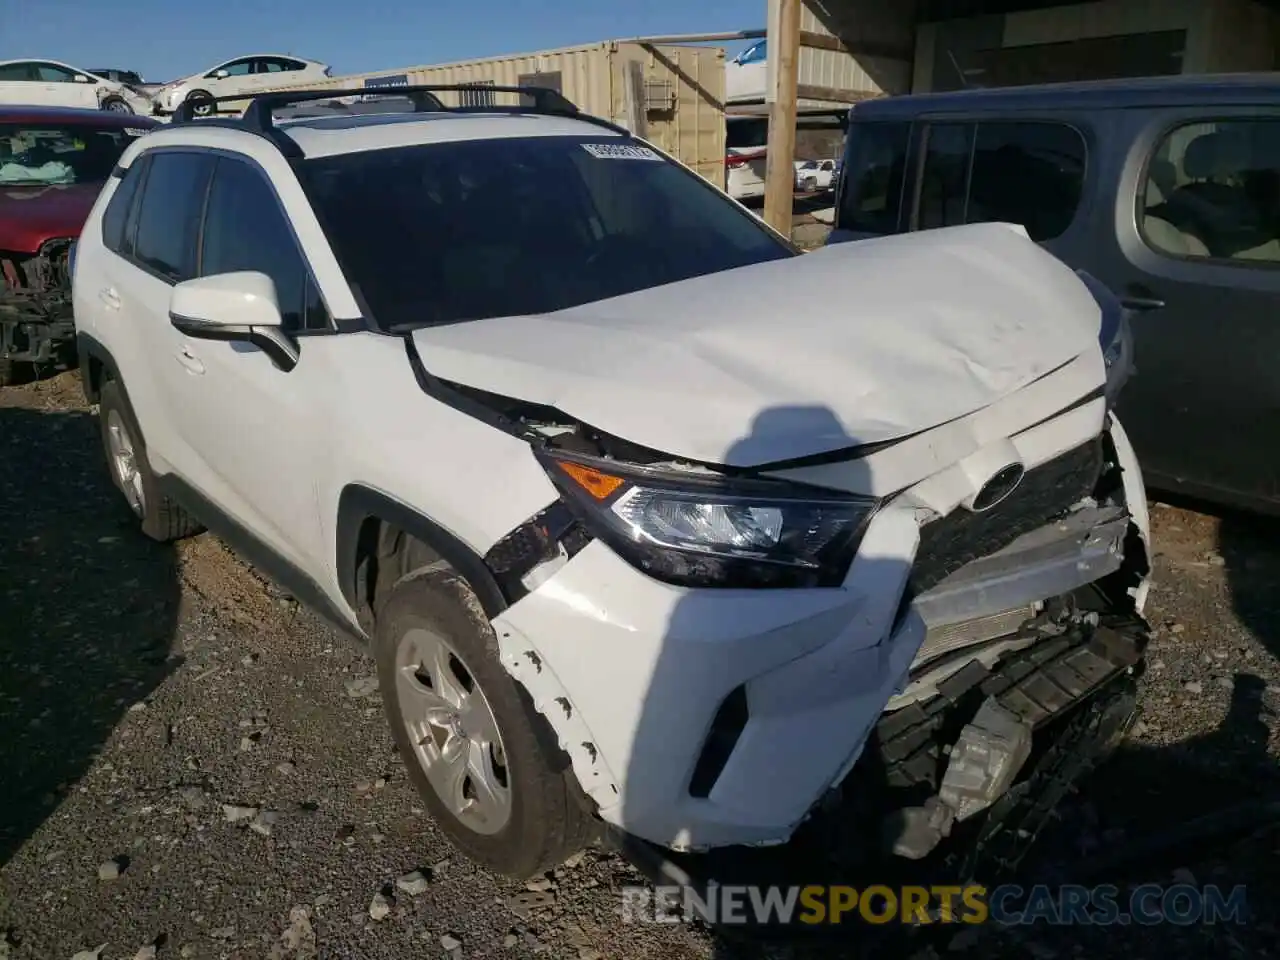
(53, 163)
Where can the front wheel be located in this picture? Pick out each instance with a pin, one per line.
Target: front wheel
(202, 103)
(483, 759)
(116, 105)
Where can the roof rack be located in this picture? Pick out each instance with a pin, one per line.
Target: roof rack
(257, 118)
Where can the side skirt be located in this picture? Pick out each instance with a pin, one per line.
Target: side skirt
(262, 557)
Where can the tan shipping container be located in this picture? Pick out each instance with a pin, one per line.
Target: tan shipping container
(671, 95)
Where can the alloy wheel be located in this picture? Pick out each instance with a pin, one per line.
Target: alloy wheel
(124, 461)
(455, 734)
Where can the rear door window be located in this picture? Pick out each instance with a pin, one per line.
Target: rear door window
(17, 73)
(1212, 192)
(871, 199)
(1027, 173)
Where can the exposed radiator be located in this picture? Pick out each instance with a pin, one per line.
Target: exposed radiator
(943, 640)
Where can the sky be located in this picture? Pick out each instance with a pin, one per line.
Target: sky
(167, 39)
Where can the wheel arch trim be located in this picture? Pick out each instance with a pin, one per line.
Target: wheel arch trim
(88, 349)
(358, 504)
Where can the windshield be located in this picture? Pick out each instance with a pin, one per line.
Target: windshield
(51, 153)
(446, 232)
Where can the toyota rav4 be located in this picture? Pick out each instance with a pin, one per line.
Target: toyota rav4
(654, 525)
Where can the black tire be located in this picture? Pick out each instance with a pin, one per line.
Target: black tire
(160, 517)
(201, 101)
(549, 818)
(116, 105)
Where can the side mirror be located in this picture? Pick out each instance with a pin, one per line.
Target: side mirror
(81, 78)
(220, 74)
(234, 307)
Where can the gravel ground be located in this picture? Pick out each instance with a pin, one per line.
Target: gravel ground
(195, 767)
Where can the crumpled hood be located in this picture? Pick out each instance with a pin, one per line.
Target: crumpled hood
(30, 215)
(851, 344)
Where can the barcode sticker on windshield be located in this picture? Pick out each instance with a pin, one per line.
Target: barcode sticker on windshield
(618, 151)
(135, 131)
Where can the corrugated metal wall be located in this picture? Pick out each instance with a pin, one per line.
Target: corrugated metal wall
(889, 26)
(676, 101)
(1109, 18)
(1222, 36)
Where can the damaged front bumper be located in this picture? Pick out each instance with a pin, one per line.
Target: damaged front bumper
(36, 320)
(697, 719)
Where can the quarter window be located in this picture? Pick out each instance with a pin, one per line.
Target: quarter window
(245, 229)
(169, 217)
(1212, 191)
(1025, 172)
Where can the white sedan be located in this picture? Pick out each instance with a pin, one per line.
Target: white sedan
(247, 75)
(54, 84)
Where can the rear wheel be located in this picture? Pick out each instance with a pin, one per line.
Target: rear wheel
(483, 759)
(161, 518)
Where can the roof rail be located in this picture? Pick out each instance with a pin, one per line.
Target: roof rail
(257, 118)
(258, 113)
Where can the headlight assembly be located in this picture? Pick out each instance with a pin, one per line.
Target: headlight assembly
(712, 531)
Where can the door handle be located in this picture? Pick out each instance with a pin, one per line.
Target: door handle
(1142, 304)
(110, 299)
(190, 361)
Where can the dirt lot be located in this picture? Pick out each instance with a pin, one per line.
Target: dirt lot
(194, 764)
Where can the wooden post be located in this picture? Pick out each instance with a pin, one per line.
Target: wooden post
(780, 177)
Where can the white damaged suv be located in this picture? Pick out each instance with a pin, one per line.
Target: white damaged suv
(653, 524)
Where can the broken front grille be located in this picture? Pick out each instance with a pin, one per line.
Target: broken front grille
(1045, 493)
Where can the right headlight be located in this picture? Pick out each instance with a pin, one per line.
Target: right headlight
(712, 531)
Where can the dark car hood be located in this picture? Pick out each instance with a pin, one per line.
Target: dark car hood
(30, 215)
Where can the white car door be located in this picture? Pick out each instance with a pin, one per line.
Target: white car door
(230, 78)
(62, 87)
(256, 430)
